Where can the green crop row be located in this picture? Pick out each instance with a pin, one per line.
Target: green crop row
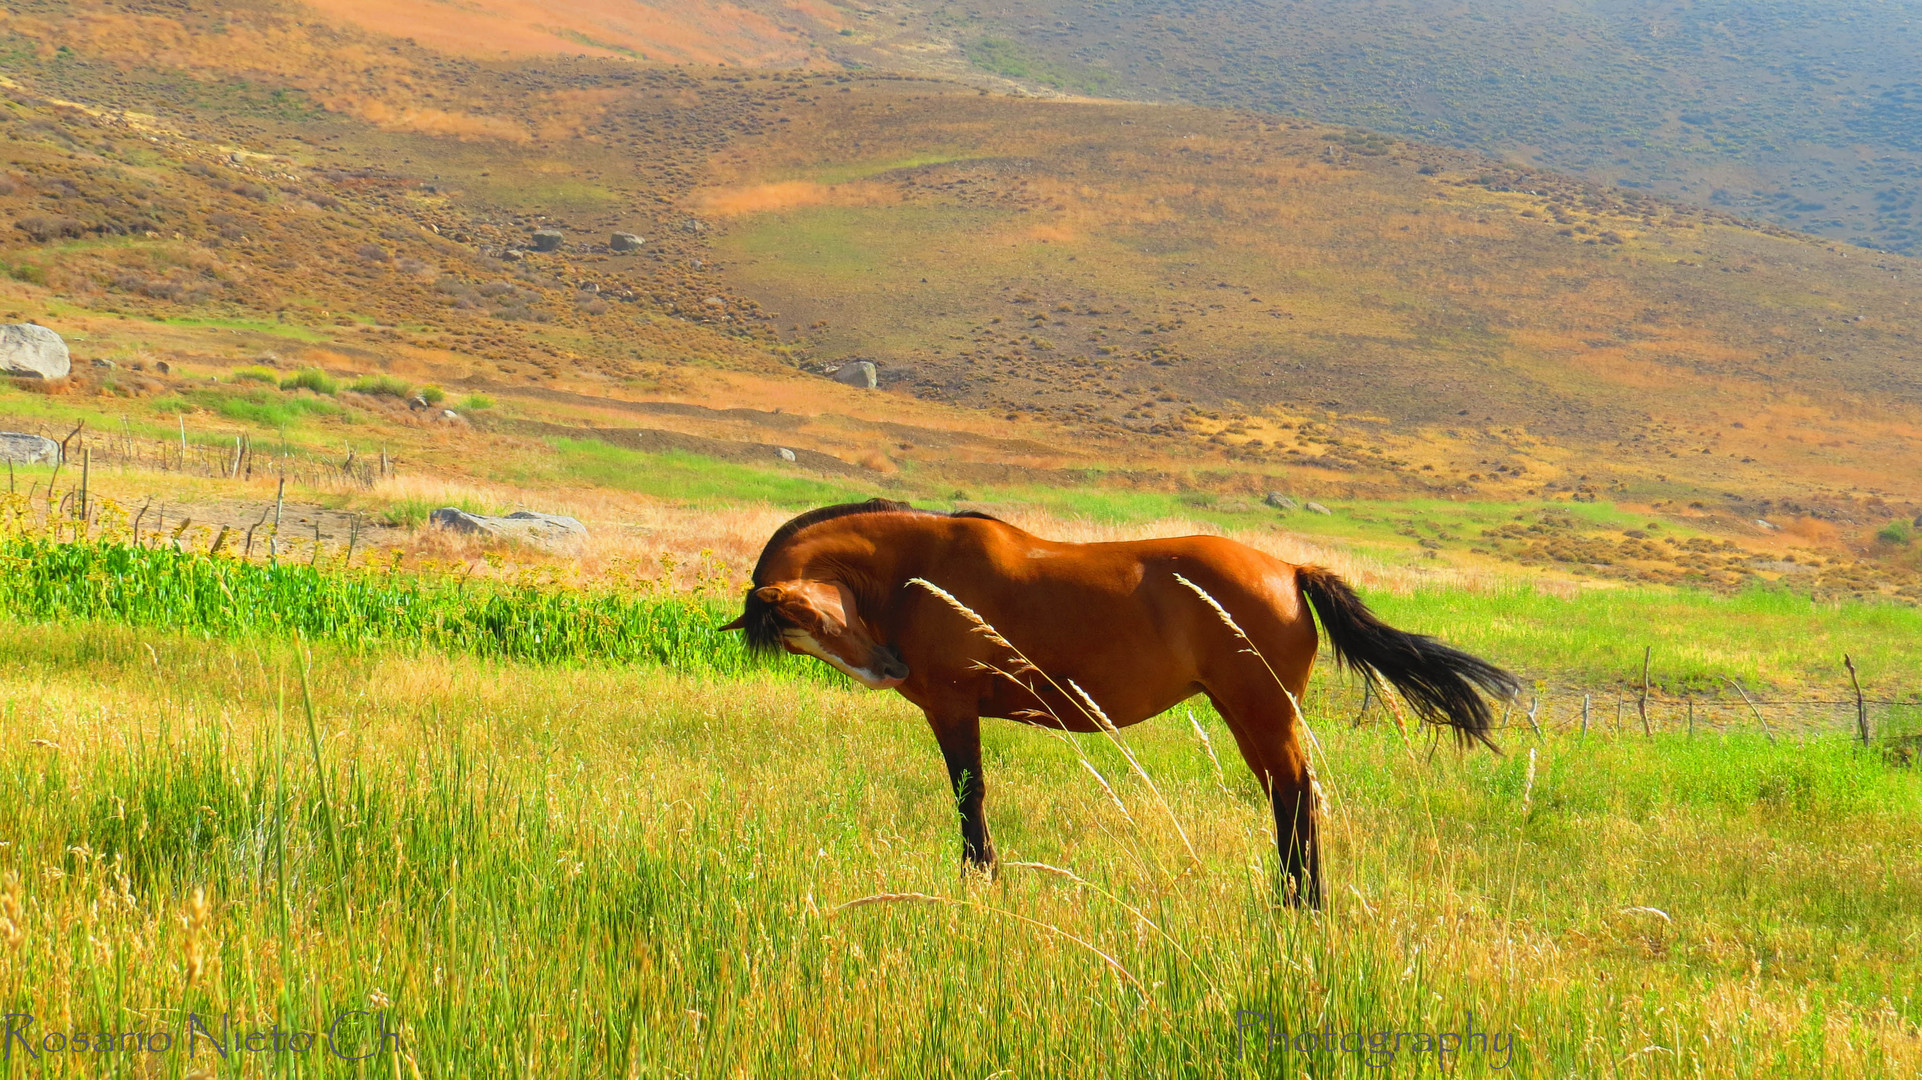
(226, 597)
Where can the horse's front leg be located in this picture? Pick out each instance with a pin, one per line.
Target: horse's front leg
(959, 734)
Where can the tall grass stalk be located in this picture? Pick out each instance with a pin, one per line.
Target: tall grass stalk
(1078, 698)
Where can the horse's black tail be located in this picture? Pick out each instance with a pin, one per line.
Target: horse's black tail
(1439, 682)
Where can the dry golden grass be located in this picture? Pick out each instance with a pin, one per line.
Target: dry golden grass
(703, 871)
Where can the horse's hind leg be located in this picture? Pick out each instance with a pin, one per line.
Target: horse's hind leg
(1270, 738)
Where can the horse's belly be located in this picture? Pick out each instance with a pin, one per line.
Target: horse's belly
(1077, 700)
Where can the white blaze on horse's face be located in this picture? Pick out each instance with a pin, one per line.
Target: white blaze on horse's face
(818, 619)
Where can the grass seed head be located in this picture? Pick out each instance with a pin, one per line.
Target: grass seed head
(195, 920)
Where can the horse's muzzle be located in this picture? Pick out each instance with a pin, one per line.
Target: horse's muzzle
(890, 667)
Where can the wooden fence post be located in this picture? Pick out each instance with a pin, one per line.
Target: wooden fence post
(1641, 705)
(280, 496)
(1751, 707)
(1584, 716)
(1533, 704)
(1861, 708)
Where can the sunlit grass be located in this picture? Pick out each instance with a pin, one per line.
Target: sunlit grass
(621, 870)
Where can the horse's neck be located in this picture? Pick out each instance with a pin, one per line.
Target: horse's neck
(870, 556)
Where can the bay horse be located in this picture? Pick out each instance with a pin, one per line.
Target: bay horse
(1126, 624)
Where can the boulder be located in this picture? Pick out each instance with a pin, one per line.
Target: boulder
(28, 449)
(625, 241)
(519, 525)
(1279, 501)
(1316, 508)
(548, 240)
(860, 373)
(786, 454)
(1770, 526)
(33, 352)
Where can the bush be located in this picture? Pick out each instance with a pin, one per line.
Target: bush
(42, 227)
(433, 395)
(473, 402)
(381, 384)
(1896, 532)
(257, 373)
(311, 379)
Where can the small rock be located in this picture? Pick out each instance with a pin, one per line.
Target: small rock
(163, 367)
(694, 225)
(33, 352)
(513, 255)
(1918, 521)
(28, 449)
(1316, 508)
(417, 403)
(521, 524)
(714, 301)
(103, 362)
(1280, 502)
(786, 454)
(859, 373)
(449, 414)
(625, 241)
(548, 240)
(1769, 525)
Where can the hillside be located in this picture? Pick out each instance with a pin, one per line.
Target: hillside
(1056, 293)
(1299, 295)
(1799, 113)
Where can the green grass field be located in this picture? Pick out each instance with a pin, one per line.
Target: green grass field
(534, 828)
(621, 870)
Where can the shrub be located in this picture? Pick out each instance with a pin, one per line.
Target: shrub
(311, 379)
(432, 395)
(257, 373)
(476, 401)
(1896, 532)
(42, 227)
(381, 384)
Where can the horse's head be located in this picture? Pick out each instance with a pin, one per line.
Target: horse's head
(818, 619)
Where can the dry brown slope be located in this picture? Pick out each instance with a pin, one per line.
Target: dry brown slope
(1153, 266)
(1194, 286)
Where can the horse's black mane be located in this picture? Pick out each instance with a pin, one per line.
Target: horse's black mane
(763, 630)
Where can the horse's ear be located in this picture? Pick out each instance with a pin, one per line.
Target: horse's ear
(770, 594)
(738, 624)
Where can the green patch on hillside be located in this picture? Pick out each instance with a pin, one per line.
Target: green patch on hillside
(1009, 58)
(293, 331)
(684, 477)
(841, 174)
